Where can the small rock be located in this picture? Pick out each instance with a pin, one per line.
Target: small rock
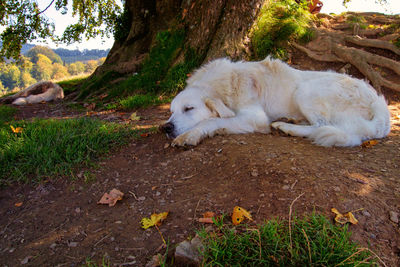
(262, 195)
(366, 213)
(78, 210)
(394, 216)
(141, 198)
(155, 261)
(118, 222)
(219, 150)
(72, 244)
(53, 246)
(254, 173)
(11, 250)
(112, 238)
(158, 194)
(187, 253)
(336, 188)
(166, 145)
(285, 187)
(26, 259)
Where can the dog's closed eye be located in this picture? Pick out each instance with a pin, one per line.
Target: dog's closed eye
(186, 109)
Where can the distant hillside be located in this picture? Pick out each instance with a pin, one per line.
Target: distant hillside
(69, 56)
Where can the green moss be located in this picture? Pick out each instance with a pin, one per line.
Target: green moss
(278, 23)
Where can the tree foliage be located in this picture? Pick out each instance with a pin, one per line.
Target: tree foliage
(43, 50)
(24, 22)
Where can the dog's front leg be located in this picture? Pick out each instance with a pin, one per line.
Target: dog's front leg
(245, 122)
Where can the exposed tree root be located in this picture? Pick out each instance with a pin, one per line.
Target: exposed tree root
(332, 46)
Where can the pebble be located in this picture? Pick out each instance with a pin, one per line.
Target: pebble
(366, 213)
(141, 198)
(254, 173)
(285, 187)
(78, 210)
(337, 188)
(53, 246)
(394, 216)
(72, 244)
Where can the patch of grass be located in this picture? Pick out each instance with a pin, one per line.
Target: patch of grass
(360, 20)
(278, 23)
(6, 114)
(72, 84)
(98, 84)
(315, 242)
(47, 148)
(137, 101)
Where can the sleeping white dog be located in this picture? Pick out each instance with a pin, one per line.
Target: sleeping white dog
(225, 97)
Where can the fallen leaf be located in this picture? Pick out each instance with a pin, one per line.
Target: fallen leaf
(111, 198)
(239, 214)
(153, 188)
(344, 218)
(91, 106)
(16, 130)
(207, 217)
(144, 134)
(369, 143)
(134, 117)
(155, 219)
(18, 204)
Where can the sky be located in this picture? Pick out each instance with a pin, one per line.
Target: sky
(330, 6)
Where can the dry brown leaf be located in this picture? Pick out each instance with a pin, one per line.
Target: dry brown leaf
(18, 204)
(111, 198)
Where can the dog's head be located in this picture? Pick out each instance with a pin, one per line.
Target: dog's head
(189, 108)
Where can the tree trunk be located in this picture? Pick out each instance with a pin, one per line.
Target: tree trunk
(213, 28)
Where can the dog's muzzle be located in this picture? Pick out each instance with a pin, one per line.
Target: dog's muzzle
(168, 128)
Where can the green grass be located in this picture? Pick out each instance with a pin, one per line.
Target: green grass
(137, 101)
(47, 148)
(278, 23)
(72, 84)
(6, 114)
(315, 242)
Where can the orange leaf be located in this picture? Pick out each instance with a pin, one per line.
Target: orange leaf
(18, 204)
(207, 217)
(144, 134)
(111, 198)
(239, 214)
(16, 130)
(369, 143)
(206, 220)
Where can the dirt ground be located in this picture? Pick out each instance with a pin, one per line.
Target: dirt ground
(60, 222)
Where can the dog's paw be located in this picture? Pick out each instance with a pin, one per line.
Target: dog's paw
(277, 125)
(191, 138)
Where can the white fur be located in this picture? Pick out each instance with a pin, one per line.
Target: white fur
(224, 97)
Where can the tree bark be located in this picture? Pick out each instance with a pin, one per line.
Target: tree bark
(213, 28)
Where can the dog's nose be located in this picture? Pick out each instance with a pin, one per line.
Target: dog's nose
(167, 128)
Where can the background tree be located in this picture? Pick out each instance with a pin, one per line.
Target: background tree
(33, 53)
(72, 69)
(59, 72)
(26, 79)
(43, 68)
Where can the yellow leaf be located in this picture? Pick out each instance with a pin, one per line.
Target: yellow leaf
(155, 219)
(16, 130)
(344, 218)
(239, 214)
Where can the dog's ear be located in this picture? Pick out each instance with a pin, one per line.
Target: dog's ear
(219, 108)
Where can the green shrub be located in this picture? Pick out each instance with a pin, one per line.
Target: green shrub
(279, 22)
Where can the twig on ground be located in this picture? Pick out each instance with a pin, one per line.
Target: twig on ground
(133, 194)
(101, 240)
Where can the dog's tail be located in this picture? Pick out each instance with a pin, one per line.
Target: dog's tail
(353, 132)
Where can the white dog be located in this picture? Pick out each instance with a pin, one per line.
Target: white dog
(224, 97)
